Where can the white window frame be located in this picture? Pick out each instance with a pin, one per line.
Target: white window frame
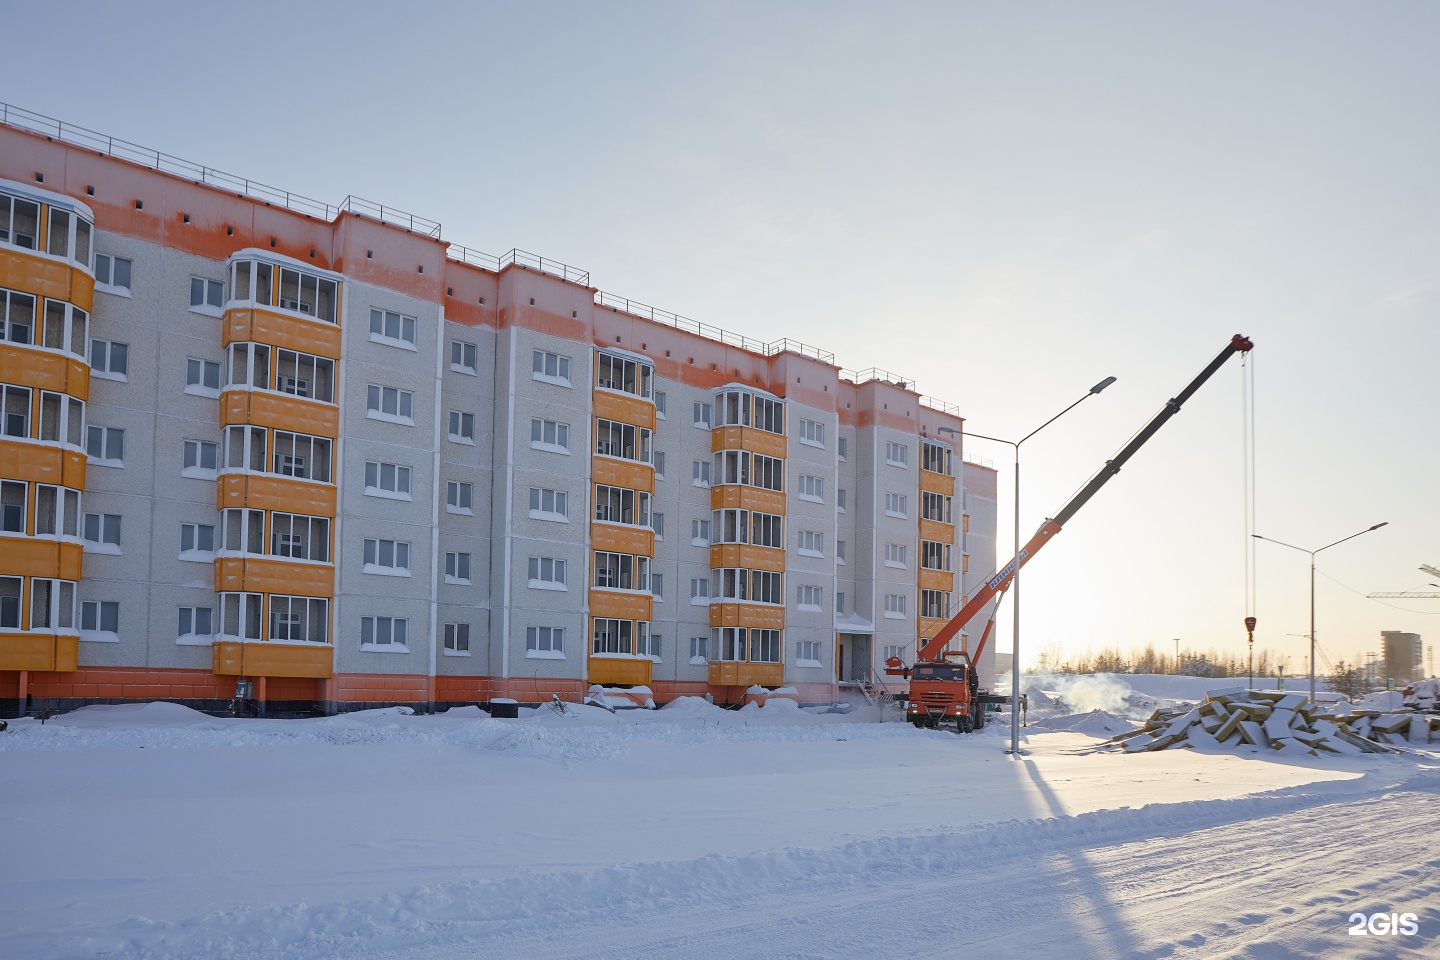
(456, 641)
(896, 555)
(704, 415)
(547, 573)
(102, 615)
(403, 324)
(543, 360)
(700, 473)
(700, 532)
(549, 504)
(809, 596)
(112, 441)
(810, 543)
(376, 395)
(700, 591)
(459, 566)
(192, 617)
(400, 471)
(196, 370)
(895, 606)
(196, 553)
(395, 632)
(103, 528)
(462, 351)
(110, 272)
(104, 351)
(193, 457)
(700, 649)
(897, 505)
(545, 643)
(462, 427)
(378, 549)
(560, 431)
(210, 290)
(810, 488)
(808, 653)
(897, 454)
(812, 433)
(460, 497)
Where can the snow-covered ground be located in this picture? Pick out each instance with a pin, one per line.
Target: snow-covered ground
(154, 831)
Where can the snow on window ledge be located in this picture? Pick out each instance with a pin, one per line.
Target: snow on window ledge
(812, 443)
(461, 368)
(384, 494)
(699, 661)
(113, 290)
(109, 549)
(389, 418)
(809, 497)
(380, 571)
(545, 654)
(104, 462)
(99, 636)
(549, 447)
(205, 310)
(895, 563)
(196, 390)
(393, 342)
(457, 438)
(197, 556)
(548, 515)
(546, 585)
(463, 511)
(195, 640)
(198, 473)
(557, 381)
(107, 375)
(892, 615)
(455, 653)
(453, 579)
(806, 552)
(808, 663)
(384, 648)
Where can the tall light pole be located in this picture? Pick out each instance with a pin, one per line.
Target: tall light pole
(1015, 582)
(1312, 586)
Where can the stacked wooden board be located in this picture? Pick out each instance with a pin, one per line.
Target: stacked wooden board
(1287, 723)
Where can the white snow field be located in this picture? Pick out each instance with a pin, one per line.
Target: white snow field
(154, 831)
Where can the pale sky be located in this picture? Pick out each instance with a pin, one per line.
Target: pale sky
(1005, 202)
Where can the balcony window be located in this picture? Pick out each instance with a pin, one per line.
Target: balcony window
(623, 374)
(17, 317)
(298, 291)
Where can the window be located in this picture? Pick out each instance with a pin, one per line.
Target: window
(16, 405)
(934, 603)
(699, 649)
(10, 588)
(196, 538)
(64, 328)
(895, 555)
(897, 505)
(17, 311)
(390, 403)
(202, 377)
(462, 427)
(657, 588)
(648, 646)
(935, 457)
(457, 568)
(20, 222)
(895, 606)
(622, 505)
(547, 573)
(934, 555)
(549, 435)
(616, 439)
(387, 557)
(770, 416)
(807, 653)
(206, 293)
(240, 615)
(765, 587)
(700, 533)
(56, 514)
(657, 523)
(842, 497)
(462, 357)
(201, 459)
(52, 606)
(305, 619)
(457, 639)
(840, 550)
(300, 537)
(765, 646)
(384, 632)
(113, 272)
(621, 571)
(13, 495)
(62, 418)
(396, 329)
(459, 496)
(545, 641)
(547, 504)
(766, 530)
(304, 375)
(109, 360)
(305, 457)
(840, 602)
(812, 433)
(249, 365)
(842, 445)
(660, 404)
(101, 616)
(623, 374)
(551, 368)
(659, 459)
(243, 531)
(769, 473)
(196, 622)
(897, 455)
(891, 650)
(703, 414)
(700, 591)
(304, 293)
(809, 597)
(614, 636)
(935, 506)
(811, 543)
(387, 480)
(812, 488)
(102, 532)
(700, 472)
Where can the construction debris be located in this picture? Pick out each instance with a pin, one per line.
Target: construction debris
(1287, 723)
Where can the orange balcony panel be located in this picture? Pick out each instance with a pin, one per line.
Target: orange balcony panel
(935, 530)
(731, 614)
(232, 658)
(929, 626)
(41, 652)
(42, 276)
(732, 495)
(280, 412)
(747, 438)
(43, 370)
(42, 463)
(266, 491)
(746, 674)
(931, 482)
(623, 473)
(620, 605)
(274, 575)
(619, 538)
(624, 408)
(619, 671)
(746, 555)
(937, 580)
(39, 557)
(263, 326)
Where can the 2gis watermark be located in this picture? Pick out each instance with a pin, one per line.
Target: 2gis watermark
(1383, 924)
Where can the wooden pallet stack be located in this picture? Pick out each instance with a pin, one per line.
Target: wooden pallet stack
(1287, 723)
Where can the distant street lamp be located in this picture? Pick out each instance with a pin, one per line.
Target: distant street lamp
(1015, 582)
(1312, 586)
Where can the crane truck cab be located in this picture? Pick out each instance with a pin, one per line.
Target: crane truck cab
(948, 691)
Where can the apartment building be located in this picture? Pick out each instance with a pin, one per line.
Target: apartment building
(323, 457)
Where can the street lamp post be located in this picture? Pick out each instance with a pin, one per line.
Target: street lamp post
(1312, 586)
(1015, 581)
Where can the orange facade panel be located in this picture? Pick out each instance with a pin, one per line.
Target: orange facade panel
(265, 491)
(40, 652)
(623, 473)
(733, 495)
(280, 330)
(620, 604)
(46, 277)
(763, 615)
(624, 408)
(747, 438)
(40, 557)
(935, 530)
(273, 575)
(929, 626)
(621, 538)
(280, 411)
(43, 463)
(937, 580)
(931, 482)
(746, 674)
(43, 370)
(746, 555)
(619, 671)
(231, 658)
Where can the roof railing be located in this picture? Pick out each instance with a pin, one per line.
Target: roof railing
(935, 403)
(645, 311)
(875, 373)
(398, 218)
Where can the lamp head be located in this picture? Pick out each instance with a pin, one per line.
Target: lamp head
(1102, 384)
(1383, 523)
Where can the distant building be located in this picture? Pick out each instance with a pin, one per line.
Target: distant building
(1403, 655)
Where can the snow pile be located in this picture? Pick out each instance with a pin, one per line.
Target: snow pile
(1423, 695)
(1096, 723)
(1289, 724)
(620, 698)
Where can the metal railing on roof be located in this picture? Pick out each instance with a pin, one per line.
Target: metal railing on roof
(533, 260)
(979, 461)
(644, 310)
(944, 406)
(875, 373)
(399, 218)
